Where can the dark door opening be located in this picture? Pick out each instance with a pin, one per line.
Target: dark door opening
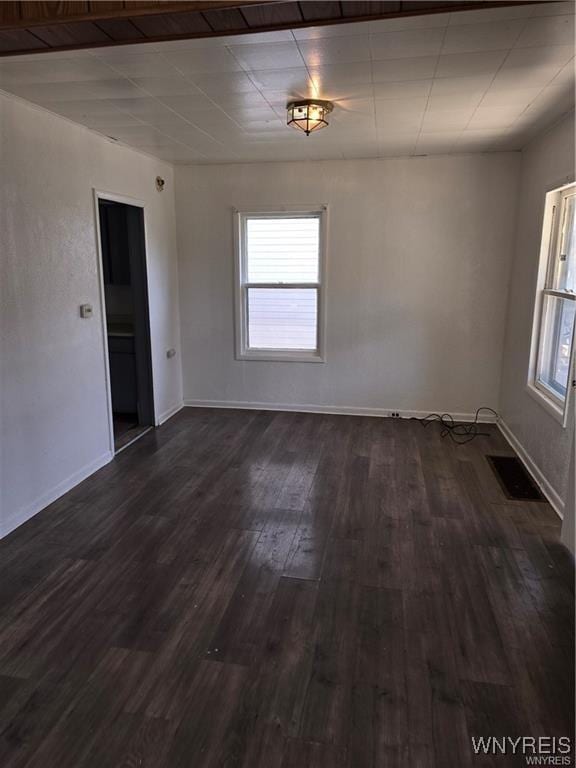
(127, 319)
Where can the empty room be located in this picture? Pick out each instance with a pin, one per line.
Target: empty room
(287, 384)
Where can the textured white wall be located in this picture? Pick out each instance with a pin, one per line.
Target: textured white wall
(547, 161)
(419, 255)
(53, 418)
(569, 522)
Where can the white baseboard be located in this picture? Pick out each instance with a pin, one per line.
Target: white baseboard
(551, 494)
(348, 410)
(24, 514)
(169, 413)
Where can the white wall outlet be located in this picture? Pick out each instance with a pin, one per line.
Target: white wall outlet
(86, 311)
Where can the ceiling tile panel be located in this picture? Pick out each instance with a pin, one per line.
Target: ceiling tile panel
(108, 124)
(495, 117)
(114, 89)
(188, 104)
(446, 120)
(455, 102)
(46, 69)
(147, 108)
(397, 70)
(406, 44)
(137, 65)
(493, 36)
(553, 30)
(165, 86)
(356, 73)
(514, 96)
(335, 50)
(406, 89)
(268, 56)
(553, 9)
(478, 81)
(203, 60)
(284, 79)
(454, 86)
(225, 83)
(470, 64)
(41, 92)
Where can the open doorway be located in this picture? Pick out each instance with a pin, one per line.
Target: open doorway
(123, 253)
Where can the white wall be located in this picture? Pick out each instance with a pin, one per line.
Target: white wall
(54, 423)
(419, 255)
(547, 162)
(568, 524)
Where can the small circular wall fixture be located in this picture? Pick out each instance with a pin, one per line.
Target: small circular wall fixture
(160, 183)
(308, 115)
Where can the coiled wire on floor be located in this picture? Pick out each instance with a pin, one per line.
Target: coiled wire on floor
(458, 432)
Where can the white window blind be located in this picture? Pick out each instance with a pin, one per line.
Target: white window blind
(281, 318)
(282, 250)
(280, 269)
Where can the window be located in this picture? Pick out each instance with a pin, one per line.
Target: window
(556, 301)
(279, 293)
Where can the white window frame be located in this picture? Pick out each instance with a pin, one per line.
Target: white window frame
(243, 352)
(556, 406)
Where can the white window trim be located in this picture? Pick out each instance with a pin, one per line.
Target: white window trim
(243, 352)
(555, 406)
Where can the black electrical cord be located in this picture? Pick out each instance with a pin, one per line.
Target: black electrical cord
(459, 433)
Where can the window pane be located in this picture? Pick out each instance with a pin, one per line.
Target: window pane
(556, 343)
(566, 268)
(282, 318)
(283, 250)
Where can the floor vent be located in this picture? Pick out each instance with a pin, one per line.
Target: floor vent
(514, 479)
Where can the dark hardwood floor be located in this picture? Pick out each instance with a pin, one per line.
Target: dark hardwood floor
(275, 590)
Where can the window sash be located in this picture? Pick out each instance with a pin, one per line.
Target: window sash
(244, 218)
(283, 287)
(557, 240)
(559, 294)
(549, 352)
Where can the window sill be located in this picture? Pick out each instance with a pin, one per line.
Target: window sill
(556, 411)
(269, 356)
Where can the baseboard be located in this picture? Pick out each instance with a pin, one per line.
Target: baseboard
(551, 494)
(54, 493)
(334, 409)
(168, 414)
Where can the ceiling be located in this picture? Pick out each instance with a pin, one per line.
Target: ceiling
(472, 81)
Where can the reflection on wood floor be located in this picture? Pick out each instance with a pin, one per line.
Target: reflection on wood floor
(282, 590)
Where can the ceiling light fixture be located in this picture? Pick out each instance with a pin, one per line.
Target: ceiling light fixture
(308, 115)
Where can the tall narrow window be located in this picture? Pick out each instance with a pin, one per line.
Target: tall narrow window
(279, 290)
(557, 299)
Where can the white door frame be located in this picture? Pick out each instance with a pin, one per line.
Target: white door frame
(101, 195)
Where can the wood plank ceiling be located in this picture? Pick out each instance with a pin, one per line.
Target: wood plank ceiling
(35, 27)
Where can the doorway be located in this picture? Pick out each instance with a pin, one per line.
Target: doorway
(125, 284)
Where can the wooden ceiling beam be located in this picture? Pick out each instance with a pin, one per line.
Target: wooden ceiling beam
(19, 14)
(29, 27)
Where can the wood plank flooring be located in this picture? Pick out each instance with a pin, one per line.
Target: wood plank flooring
(281, 590)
